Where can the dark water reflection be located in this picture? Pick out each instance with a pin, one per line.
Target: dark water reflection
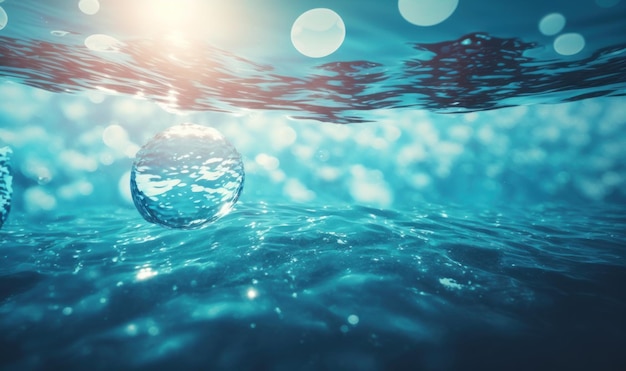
(475, 72)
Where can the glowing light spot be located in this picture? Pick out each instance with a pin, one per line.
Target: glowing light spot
(4, 18)
(145, 273)
(67, 311)
(552, 24)
(569, 43)
(297, 191)
(283, 137)
(153, 331)
(353, 319)
(267, 161)
(450, 283)
(89, 7)
(95, 97)
(38, 199)
(171, 13)
(115, 137)
(368, 186)
(252, 293)
(75, 189)
(132, 329)
(607, 3)
(427, 12)
(318, 32)
(103, 43)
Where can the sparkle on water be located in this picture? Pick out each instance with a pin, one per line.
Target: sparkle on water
(318, 32)
(186, 177)
(6, 179)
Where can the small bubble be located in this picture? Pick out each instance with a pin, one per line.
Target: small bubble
(67, 311)
(203, 161)
(131, 329)
(353, 319)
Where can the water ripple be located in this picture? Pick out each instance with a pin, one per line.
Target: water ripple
(417, 275)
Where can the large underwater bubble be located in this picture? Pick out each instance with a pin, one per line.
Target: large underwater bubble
(186, 177)
(5, 184)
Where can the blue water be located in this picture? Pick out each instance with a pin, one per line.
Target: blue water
(449, 197)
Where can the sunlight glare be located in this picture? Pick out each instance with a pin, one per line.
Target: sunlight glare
(171, 14)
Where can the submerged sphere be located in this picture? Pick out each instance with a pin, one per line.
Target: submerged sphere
(186, 177)
(5, 183)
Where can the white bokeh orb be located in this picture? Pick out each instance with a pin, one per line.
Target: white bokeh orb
(552, 24)
(569, 43)
(4, 18)
(89, 7)
(427, 12)
(318, 32)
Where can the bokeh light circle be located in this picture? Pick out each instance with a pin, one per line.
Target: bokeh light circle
(552, 24)
(186, 177)
(4, 18)
(318, 32)
(427, 12)
(89, 7)
(569, 43)
(607, 3)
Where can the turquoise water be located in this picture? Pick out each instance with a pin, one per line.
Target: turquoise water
(442, 197)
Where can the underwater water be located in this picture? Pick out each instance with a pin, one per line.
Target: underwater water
(429, 185)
